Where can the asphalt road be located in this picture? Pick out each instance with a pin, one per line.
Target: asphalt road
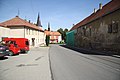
(31, 66)
(67, 64)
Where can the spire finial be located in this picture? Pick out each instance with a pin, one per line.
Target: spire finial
(18, 13)
(48, 26)
(38, 21)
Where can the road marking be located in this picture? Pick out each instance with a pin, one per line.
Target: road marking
(116, 56)
(118, 69)
(38, 58)
(22, 65)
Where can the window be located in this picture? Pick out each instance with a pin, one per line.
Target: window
(26, 31)
(27, 43)
(84, 31)
(113, 28)
(90, 30)
(32, 31)
(29, 31)
(110, 28)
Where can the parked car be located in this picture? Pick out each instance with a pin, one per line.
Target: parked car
(4, 50)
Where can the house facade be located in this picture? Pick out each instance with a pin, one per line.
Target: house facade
(19, 28)
(4, 32)
(100, 30)
(55, 37)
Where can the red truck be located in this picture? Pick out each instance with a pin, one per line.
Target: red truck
(17, 45)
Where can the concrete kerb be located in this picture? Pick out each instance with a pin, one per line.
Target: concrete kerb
(90, 51)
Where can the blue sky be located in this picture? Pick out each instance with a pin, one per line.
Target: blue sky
(60, 13)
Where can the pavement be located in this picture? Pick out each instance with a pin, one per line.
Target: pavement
(93, 51)
(31, 66)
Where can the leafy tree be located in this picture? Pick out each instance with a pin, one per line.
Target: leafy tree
(63, 33)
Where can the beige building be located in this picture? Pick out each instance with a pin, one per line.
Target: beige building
(55, 37)
(19, 28)
(4, 32)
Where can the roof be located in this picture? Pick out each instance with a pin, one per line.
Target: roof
(19, 22)
(108, 8)
(52, 33)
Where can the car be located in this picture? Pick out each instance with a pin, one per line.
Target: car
(4, 50)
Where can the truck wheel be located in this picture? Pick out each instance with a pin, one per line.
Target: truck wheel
(10, 53)
(26, 51)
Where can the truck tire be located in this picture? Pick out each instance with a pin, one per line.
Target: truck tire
(26, 51)
(10, 53)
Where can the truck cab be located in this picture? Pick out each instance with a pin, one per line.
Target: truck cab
(21, 43)
(13, 47)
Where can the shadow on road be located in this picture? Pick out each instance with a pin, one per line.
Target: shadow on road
(92, 52)
(3, 58)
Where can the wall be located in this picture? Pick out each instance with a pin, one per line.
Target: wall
(38, 36)
(23, 32)
(59, 39)
(101, 34)
(70, 38)
(17, 32)
(4, 32)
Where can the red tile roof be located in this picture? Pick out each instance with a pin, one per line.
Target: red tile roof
(54, 33)
(109, 7)
(19, 22)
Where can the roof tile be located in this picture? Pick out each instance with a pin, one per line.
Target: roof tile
(109, 7)
(19, 22)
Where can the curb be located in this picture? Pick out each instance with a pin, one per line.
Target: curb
(90, 51)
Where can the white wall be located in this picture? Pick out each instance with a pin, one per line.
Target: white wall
(38, 35)
(4, 32)
(21, 32)
(59, 38)
(17, 32)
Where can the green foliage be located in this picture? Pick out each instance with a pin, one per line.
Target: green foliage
(63, 33)
(47, 40)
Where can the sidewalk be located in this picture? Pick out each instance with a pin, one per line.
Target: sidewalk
(31, 66)
(95, 52)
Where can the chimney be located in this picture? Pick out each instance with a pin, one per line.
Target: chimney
(73, 24)
(17, 16)
(95, 10)
(100, 6)
(29, 21)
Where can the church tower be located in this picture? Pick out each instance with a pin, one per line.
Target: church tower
(38, 21)
(48, 26)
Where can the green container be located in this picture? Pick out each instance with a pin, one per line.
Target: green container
(70, 38)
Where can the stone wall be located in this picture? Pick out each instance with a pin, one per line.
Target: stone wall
(102, 33)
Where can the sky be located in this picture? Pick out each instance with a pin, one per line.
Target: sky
(59, 13)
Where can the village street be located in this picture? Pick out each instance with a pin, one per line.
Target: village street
(59, 63)
(67, 64)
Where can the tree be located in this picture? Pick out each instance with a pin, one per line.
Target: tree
(63, 33)
(47, 40)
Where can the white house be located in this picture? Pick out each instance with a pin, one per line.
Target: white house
(19, 28)
(4, 32)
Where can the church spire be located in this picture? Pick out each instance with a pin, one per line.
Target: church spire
(48, 26)
(38, 21)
